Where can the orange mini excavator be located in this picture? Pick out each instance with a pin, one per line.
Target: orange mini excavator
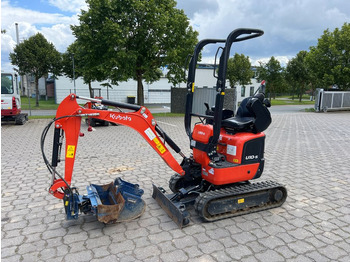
(227, 153)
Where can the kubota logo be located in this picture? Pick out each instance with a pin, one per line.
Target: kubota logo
(120, 117)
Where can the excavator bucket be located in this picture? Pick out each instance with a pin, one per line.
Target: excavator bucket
(114, 202)
(106, 203)
(134, 205)
(176, 210)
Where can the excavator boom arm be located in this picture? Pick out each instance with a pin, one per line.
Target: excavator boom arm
(69, 115)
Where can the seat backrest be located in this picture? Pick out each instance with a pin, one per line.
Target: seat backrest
(261, 114)
(242, 110)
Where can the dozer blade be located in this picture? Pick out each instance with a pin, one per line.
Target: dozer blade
(175, 209)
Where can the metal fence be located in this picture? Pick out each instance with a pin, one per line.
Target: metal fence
(208, 95)
(201, 96)
(332, 100)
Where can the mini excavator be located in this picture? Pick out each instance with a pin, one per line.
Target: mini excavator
(227, 153)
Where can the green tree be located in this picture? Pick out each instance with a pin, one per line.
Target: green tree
(37, 57)
(272, 73)
(299, 73)
(123, 39)
(329, 61)
(239, 70)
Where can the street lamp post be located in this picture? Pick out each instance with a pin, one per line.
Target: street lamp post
(74, 74)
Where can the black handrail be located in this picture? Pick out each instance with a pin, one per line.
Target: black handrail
(237, 35)
(234, 36)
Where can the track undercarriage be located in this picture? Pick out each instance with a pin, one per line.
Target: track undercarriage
(213, 203)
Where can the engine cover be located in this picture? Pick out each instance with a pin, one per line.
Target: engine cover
(241, 155)
(241, 148)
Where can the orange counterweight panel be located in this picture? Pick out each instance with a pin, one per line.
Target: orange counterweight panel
(232, 145)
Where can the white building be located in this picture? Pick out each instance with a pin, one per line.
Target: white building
(158, 92)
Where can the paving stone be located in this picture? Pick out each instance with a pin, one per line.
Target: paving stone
(10, 242)
(201, 238)
(239, 252)
(332, 252)
(142, 242)
(210, 247)
(184, 242)
(72, 238)
(146, 252)
(302, 258)
(47, 253)
(269, 255)
(286, 252)
(101, 252)
(14, 258)
(28, 257)
(122, 246)
(160, 237)
(85, 255)
(316, 256)
(221, 256)
(271, 242)
(8, 251)
(106, 259)
(244, 237)
(206, 258)
(30, 247)
(167, 246)
(301, 247)
(177, 255)
(97, 242)
(228, 242)
(193, 252)
(254, 245)
(312, 225)
(218, 233)
(300, 233)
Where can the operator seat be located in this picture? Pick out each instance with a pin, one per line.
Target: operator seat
(252, 116)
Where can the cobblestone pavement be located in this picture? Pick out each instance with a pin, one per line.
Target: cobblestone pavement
(308, 152)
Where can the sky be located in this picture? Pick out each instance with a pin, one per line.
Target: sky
(289, 25)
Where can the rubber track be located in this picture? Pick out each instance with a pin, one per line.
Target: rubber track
(204, 199)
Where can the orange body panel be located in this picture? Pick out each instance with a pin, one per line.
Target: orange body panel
(231, 146)
(228, 175)
(202, 133)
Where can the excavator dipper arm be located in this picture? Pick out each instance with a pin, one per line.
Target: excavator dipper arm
(69, 115)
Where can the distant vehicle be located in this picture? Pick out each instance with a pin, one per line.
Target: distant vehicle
(11, 100)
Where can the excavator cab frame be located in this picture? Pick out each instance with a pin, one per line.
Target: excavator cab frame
(237, 35)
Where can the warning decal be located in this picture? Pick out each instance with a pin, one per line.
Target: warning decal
(231, 150)
(150, 133)
(159, 146)
(70, 151)
(240, 201)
